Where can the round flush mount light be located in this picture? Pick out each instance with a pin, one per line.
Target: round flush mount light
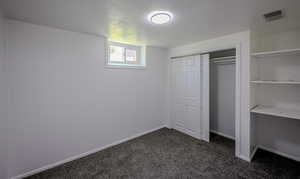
(160, 17)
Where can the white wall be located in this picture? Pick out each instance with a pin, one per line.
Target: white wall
(279, 135)
(64, 102)
(275, 41)
(222, 99)
(227, 42)
(3, 105)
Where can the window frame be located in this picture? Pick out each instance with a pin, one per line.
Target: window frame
(140, 56)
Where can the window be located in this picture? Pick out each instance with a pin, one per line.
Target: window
(125, 55)
(116, 54)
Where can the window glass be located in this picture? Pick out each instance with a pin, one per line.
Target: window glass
(116, 54)
(125, 55)
(131, 55)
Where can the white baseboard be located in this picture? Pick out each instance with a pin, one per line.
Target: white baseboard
(47, 167)
(279, 153)
(222, 134)
(272, 151)
(181, 130)
(232, 138)
(253, 152)
(244, 158)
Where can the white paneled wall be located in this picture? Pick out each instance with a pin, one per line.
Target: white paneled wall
(64, 102)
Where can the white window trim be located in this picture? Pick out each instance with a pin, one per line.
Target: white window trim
(141, 55)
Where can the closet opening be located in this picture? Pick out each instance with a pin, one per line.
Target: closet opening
(205, 97)
(222, 97)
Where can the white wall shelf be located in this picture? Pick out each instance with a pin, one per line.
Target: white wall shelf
(275, 111)
(274, 91)
(271, 82)
(276, 53)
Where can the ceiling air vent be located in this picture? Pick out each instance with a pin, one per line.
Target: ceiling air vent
(275, 15)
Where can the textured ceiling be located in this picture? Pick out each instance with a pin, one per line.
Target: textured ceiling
(126, 20)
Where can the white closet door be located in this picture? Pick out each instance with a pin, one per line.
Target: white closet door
(187, 96)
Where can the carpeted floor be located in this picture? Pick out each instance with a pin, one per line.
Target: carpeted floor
(168, 154)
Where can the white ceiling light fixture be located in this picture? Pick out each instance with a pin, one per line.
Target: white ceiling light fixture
(160, 17)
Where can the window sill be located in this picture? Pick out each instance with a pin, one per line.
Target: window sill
(136, 67)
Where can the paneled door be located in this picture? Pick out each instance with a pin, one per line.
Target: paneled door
(190, 95)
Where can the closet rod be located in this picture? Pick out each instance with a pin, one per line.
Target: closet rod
(223, 58)
(224, 62)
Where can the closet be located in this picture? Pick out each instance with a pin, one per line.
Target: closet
(222, 93)
(203, 94)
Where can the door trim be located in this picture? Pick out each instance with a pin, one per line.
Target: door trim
(205, 98)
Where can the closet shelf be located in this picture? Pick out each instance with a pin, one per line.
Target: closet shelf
(276, 53)
(275, 111)
(275, 82)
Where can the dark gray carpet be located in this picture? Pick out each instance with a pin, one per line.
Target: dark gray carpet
(167, 154)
